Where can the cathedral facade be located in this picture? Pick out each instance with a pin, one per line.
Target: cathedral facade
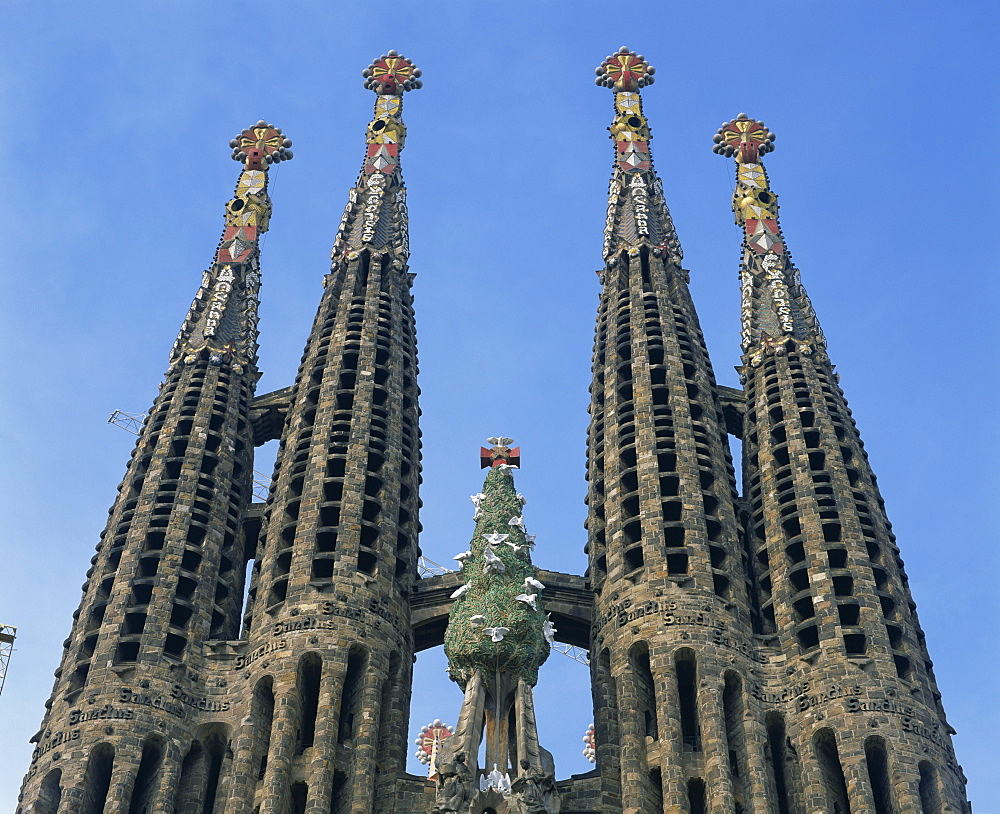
(752, 650)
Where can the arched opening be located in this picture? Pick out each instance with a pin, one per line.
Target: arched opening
(393, 718)
(49, 794)
(351, 699)
(310, 669)
(782, 763)
(190, 789)
(834, 783)
(97, 778)
(733, 710)
(930, 796)
(696, 795)
(687, 698)
(645, 689)
(147, 777)
(877, 759)
(300, 793)
(262, 716)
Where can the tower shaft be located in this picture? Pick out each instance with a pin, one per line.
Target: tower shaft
(168, 573)
(833, 593)
(339, 539)
(663, 538)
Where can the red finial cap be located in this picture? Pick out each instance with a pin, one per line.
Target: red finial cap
(625, 70)
(391, 74)
(499, 453)
(261, 144)
(747, 138)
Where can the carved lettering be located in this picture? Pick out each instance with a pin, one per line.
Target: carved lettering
(259, 652)
(127, 696)
(50, 741)
(198, 702)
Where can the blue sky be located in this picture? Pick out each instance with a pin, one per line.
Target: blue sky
(117, 168)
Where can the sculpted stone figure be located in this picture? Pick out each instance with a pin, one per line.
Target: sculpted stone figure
(532, 792)
(454, 786)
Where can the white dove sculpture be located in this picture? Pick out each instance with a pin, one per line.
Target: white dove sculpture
(477, 620)
(531, 582)
(499, 441)
(496, 633)
(522, 498)
(528, 599)
(459, 592)
(477, 499)
(493, 562)
(517, 522)
(463, 556)
(549, 631)
(505, 467)
(494, 539)
(530, 539)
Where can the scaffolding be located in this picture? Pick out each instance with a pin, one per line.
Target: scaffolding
(132, 422)
(7, 635)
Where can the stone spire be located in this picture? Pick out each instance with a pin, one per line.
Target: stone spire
(222, 320)
(168, 573)
(662, 530)
(775, 306)
(338, 549)
(498, 636)
(833, 602)
(375, 219)
(637, 212)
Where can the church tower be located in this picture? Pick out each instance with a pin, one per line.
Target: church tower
(837, 623)
(168, 572)
(672, 608)
(325, 727)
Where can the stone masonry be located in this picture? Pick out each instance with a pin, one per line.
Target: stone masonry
(749, 654)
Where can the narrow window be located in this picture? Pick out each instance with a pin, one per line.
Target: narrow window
(310, 668)
(645, 689)
(191, 789)
(696, 795)
(878, 774)
(835, 786)
(350, 703)
(300, 792)
(147, 777)
(778, 760)
(340, 794)
(49, 794)
(930, 798)
(655, 796)
(262, 715)
(97, 779)
(687, 689)
(732, 706)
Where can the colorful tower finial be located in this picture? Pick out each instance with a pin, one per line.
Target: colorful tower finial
(391, 74)
(375, 219)
(222, 320)
(745, 136)
(499, 453)
(261, 144)
(775, 306)
(625, 71)
(637, 214)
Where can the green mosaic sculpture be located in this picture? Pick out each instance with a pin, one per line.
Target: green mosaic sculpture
(497, 624)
